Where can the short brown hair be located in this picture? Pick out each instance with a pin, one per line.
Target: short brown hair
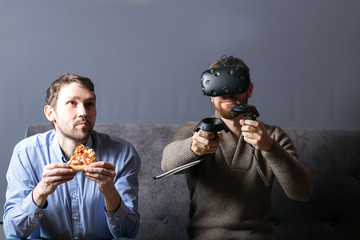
(233, 61)
(52, 93)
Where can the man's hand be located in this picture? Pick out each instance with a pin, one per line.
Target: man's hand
(104, 173)
(255, 133)
(203, 142)
(53, 175)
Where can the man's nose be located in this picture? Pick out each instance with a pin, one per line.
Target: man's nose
(223, 97)
(81, 110)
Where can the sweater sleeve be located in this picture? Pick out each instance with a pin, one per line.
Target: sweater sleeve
(293, 176)
(178, 151)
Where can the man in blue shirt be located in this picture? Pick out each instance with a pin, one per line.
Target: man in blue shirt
(45, 198)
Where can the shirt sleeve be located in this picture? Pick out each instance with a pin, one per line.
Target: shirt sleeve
(124, 222)
(21, 215)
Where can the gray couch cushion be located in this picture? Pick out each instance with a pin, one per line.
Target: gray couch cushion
(333, 211)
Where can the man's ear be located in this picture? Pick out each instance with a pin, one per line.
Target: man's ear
(250, 90)
(50, 114)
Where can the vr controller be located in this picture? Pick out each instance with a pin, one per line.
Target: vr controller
(212, 125)
(215, 125)
(225, 80)
(249, 111)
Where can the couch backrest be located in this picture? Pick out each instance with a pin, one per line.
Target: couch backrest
(333, 212)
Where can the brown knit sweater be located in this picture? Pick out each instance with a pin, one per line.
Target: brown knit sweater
(229, 200)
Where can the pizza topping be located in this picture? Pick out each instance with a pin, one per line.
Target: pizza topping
(82, 156)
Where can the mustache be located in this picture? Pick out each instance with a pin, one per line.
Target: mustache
(82, 120)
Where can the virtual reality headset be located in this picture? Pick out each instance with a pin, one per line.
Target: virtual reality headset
(225, 80)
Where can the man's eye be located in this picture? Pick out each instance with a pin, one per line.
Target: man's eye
(90, 104)
(71, 103)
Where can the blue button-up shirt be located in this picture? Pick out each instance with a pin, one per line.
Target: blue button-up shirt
(76, 210)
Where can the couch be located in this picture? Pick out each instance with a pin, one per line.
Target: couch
(333, 212)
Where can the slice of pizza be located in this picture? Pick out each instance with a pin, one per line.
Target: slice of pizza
(82, 157)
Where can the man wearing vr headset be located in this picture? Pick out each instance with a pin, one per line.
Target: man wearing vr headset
(230, 189)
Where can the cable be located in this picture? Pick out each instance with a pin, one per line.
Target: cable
(258, 169)
(178, 169)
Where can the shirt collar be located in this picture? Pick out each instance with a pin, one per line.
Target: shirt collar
(89, 143)
(57, 149)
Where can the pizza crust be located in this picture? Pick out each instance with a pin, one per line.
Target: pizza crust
(78, 167)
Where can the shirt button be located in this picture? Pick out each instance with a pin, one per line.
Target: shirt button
(74, 196)
(75, 218)
(116, 218)
(40, 215)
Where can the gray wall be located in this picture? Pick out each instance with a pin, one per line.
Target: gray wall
(146, 56)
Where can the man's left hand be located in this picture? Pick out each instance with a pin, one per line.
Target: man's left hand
(104, 173)
(255, 133)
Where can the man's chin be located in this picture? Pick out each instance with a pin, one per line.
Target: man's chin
(83, 135)
(225, 114)
(230, 116)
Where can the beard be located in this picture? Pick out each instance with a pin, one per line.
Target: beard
(224, 111)
(75, 133)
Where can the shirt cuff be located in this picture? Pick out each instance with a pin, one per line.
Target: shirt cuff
(32, 210)
(189, 155)
(119, 216)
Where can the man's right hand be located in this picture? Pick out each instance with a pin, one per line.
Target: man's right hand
(203, 142)
(53, 175)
